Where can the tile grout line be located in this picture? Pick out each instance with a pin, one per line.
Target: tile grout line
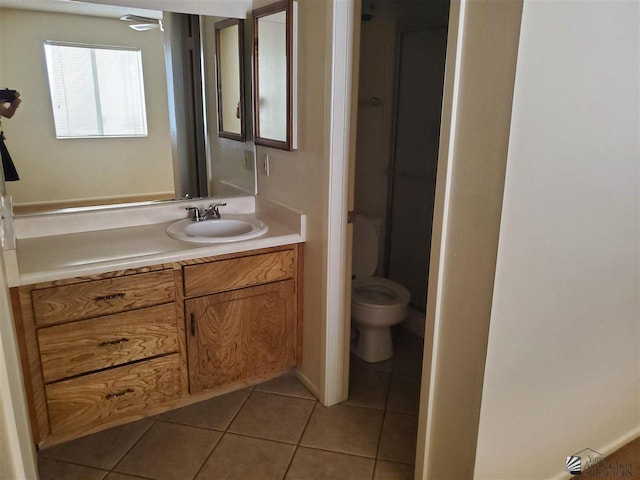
(384, 416)
(199, 427)
(224, 432)
(213, 429)
(76, 464)
(277, 394)
(141, 477)
(208, 456)
(246, 435)
(226, 429)
(282, 394)
(300, 439)
(108, 470)
(348, 454)
(111, 470)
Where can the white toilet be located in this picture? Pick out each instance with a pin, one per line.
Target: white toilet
(376, 303)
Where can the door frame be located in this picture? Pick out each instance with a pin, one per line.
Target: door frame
(441, 201)
(343, 43)
(480, 71)
(344, 47)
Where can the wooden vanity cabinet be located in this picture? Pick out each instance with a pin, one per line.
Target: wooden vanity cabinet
(109, 349)
(241, 318)
(99, 350)
(240, 335)
(64, 303)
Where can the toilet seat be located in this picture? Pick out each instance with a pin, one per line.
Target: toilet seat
(376, 303)
(378, 292)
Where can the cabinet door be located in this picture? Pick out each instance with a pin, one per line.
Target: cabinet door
(241, 334)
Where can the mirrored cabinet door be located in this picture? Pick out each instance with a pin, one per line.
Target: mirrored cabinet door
(230, 78)
(273, 74)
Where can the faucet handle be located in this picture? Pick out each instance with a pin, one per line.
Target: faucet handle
(196, 217)
(214, 207)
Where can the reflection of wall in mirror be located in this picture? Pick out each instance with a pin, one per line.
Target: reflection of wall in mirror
(272, 74)
(227, 157)
(230, 78)
(54, 170)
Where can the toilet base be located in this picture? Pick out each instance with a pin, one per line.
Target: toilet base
(373, 344)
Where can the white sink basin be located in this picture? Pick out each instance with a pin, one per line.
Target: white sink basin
(229, 228)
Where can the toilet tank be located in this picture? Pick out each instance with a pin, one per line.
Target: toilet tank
(366, 246)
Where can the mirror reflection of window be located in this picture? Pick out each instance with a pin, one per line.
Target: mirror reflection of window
(272, 75)
(96, 91)
(78, 172)
(125, 164)
(229, 61)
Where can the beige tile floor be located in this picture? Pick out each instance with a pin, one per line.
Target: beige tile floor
(276, 430)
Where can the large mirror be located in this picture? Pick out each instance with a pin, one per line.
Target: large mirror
(79, 171)
(230, 78)
(274, 75)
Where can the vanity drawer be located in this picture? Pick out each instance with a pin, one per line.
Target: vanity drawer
(102, 297)
(93, 399)
(88, 345)
(240, 272)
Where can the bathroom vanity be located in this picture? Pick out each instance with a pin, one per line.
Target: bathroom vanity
(125, 336)
(120, 313)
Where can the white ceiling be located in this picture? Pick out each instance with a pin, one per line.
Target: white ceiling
(78, 8)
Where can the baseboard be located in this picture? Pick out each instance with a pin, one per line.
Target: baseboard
(607, 449)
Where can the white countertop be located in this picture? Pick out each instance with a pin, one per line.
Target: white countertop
(79, 253)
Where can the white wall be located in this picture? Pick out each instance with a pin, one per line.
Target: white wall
(479, 80)
(54, 170)
(300, 178)
(227, 157)
(563, 363)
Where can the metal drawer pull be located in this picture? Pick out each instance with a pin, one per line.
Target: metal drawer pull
(113, 296)
(113, 342)
(109, 396)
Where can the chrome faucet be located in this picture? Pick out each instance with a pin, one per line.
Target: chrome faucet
(197, 214)
(211, 212)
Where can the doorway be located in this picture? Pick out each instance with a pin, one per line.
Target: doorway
(402, 56)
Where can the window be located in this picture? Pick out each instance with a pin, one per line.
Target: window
(96, 91)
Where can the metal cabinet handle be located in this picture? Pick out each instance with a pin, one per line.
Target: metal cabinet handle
(113, 296)
(109, 396)
(109, 343)
(193, 325)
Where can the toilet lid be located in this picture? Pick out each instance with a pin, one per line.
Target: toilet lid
(365, 247)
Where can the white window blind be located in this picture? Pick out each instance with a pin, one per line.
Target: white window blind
(96, 91)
